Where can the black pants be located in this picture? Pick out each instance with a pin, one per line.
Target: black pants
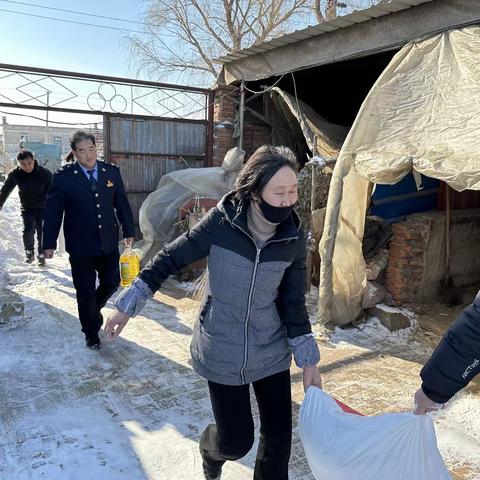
(232, 436)
(32, 222)
(91, 300)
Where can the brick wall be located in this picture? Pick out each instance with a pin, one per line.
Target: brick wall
(416, 262)
(226, 106)
(406, 260)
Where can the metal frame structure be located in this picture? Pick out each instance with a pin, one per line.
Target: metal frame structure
(36, 77)
(105, 96)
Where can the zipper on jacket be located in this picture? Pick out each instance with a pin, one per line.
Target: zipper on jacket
(247, 317)
(250, 295)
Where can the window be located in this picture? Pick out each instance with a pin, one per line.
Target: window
(57, 141)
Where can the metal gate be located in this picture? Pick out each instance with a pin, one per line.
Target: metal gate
(149, 128)
(145, 149)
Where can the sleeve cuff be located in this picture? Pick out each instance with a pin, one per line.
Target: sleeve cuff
(133, 299)
(305, 350)
(434, 397)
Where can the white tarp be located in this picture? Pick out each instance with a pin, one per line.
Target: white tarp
(345, 446)
(422, 115)
(159, 211)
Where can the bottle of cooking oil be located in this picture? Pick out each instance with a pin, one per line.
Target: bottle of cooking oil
(129, 266)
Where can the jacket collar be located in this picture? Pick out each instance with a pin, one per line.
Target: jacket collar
(235, 212)
(84, 179)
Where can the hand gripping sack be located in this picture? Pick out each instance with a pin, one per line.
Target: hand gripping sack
(344, 446)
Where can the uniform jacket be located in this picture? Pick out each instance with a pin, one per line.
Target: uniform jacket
(90, 216)
(32, 187)
(456, 360)
(256, 296)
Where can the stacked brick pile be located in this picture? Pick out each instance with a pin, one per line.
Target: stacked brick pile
(406, 260)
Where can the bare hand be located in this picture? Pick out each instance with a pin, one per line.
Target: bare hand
(115, 324)
(311, 376)
(49, 253)
(128, 241)
(423, 404)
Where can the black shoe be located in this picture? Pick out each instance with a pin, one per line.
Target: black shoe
(29, 256)
(93, 342)
(41, 260)
(209, 475)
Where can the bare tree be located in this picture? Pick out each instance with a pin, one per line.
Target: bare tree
(183, 37)
(329, 12)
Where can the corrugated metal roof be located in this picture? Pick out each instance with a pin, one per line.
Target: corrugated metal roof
(356, 17)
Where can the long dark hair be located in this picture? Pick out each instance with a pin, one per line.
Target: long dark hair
(264, 163)
(69, 158)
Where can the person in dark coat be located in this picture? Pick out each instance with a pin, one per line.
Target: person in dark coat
(33, 182)
(453, 364)
(90, 196)
(253, 315)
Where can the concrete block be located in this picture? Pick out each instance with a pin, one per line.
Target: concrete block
(392, 318)
(374, 294)
(12, 308)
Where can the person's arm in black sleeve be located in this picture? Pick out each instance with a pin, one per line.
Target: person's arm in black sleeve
(291, 295)
(293, 312)
(123, 209)
(7, 188)
(53, 214)
(186, 249)
(456, 360)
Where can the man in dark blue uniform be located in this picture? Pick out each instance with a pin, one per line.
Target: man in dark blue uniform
(90, 196)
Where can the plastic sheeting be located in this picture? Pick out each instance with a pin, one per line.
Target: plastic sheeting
(329, 136)
(422, 116)
(159, 211)
(345, 446)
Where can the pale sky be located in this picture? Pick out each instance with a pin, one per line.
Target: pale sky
(32, 41)
(39, 42)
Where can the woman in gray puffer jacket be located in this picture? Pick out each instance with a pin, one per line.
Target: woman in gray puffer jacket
(253, 315)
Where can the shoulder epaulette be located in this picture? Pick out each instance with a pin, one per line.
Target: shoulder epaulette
(65, 168)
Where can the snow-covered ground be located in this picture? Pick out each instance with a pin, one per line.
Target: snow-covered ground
(135, 409)
(457, 424)
(67, 412)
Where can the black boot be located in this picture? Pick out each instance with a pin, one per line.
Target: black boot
(210, 475)
(41, 260)
(29, 256)
(93, 342)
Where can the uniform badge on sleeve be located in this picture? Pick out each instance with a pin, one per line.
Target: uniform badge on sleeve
(109, 183)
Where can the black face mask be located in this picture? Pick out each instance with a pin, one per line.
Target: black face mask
(274, 214)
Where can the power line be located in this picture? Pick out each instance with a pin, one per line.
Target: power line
(75, 12)
(69, 21)
(79, 23)
(266, 89)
